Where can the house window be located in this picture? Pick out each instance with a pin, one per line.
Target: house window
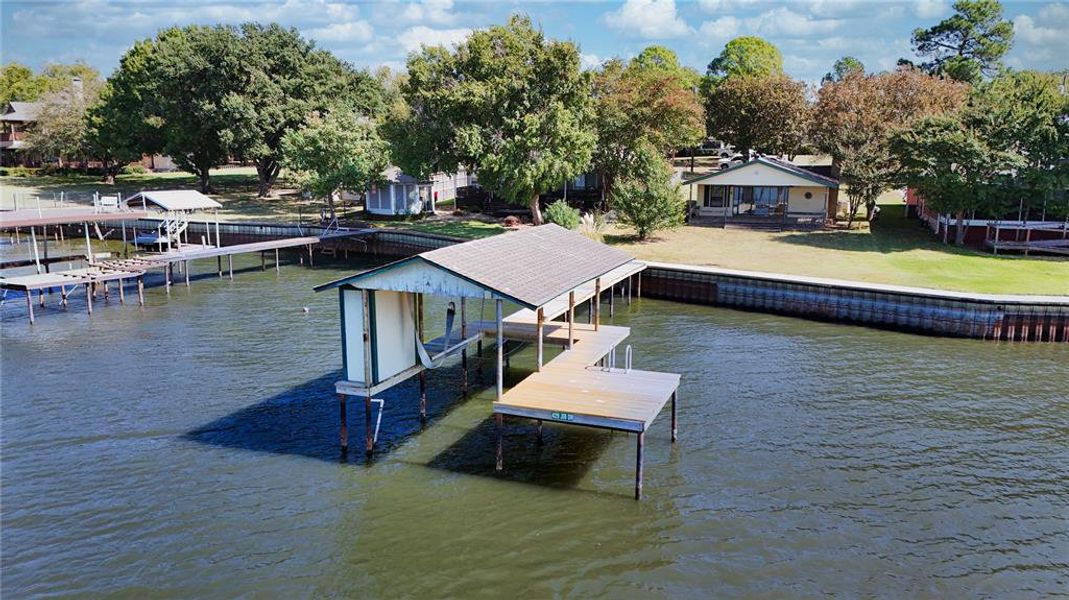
(714, 196)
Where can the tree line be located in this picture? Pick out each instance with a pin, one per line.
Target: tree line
(516, 108)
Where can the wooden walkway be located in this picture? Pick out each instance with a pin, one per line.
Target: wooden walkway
(577, 388)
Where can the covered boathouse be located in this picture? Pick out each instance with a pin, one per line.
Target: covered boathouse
(547, 271)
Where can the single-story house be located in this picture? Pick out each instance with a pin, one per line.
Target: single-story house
(760, 190)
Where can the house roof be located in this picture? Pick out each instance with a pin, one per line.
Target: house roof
(530, 267)
(170, 200)
(21, 111)
(774, 163)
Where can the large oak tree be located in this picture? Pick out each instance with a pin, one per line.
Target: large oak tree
(507, 102)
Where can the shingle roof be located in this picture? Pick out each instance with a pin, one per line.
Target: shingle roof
(775, 163)
(22, 112)
(532, 266)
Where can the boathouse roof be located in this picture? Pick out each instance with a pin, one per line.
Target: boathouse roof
(531, 266)
(173, 200)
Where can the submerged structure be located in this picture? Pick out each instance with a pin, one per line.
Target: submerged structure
(546, 272)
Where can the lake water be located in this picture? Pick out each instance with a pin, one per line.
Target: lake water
(189, 449)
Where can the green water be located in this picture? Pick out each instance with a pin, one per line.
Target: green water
(189, 449)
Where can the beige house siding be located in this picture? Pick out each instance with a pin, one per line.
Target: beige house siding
(798, 203)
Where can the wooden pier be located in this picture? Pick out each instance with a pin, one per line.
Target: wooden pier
(545, 270)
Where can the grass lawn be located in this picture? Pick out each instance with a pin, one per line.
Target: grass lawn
(896, 251)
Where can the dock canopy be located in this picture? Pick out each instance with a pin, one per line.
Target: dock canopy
(530, 267)
(173, 200)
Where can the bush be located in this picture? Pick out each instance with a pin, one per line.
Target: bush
(560, 213)
(511, 222)
(18, 172)
(134, 169)
(647, 199)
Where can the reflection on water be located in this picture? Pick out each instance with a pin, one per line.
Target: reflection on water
(189, 448)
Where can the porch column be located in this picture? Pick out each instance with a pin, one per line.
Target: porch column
(369, 439)
(571, 319)
(538, 332)
(500, 350)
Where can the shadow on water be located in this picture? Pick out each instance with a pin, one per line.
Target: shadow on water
(562, 460)
(304, 420)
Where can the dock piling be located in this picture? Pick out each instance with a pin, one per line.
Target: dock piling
(141, 290)
(638, 465)
(499, 419)
(343, 430)
(230, 265)
(29, 304)
(276, 260)
(369, 435)
(674, 414)
(89, 298)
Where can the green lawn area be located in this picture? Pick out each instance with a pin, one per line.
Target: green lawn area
(896, 251)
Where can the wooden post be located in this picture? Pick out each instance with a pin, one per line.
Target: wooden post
(185, 268)
(41, 297)
(675, 395)
(590, 312)
(612, 302)
(310, 255)
(122, 293)
(369, 435)
(276, 260)
(89, 298)
(219, 265)
(29, 304)
(539, 328)
(44, 245)
(230, 264)
(597, 303)
(630, 284)
(168, 272)
(141, 290)
(369, 440)
(263, 261)
(63, 295)
(343, 429)
(538, 437)
(500, 351)
(571, 319)
(499, 420)
(125, 246)
(638, 465)
(638, 292)
(88, 246)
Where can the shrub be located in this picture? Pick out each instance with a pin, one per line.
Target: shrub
(511, 221)
(647, 199)
(18, 172)
(560, 213)
(134, 169)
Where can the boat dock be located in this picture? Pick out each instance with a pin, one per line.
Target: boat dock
(546, 271)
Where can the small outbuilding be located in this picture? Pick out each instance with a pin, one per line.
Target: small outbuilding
(763, 190)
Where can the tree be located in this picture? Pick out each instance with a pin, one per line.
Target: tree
(952, 164)
(61, 127)
(659, 59)
(855, 117)
(647, 199)
(747, 55)
(507, 102)
(768, 114)
(112, 132)
(288, 79)
(969, 43)
(19, 84)
(638, 105)
(336, 152)
(842, 67)
(190, 82)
